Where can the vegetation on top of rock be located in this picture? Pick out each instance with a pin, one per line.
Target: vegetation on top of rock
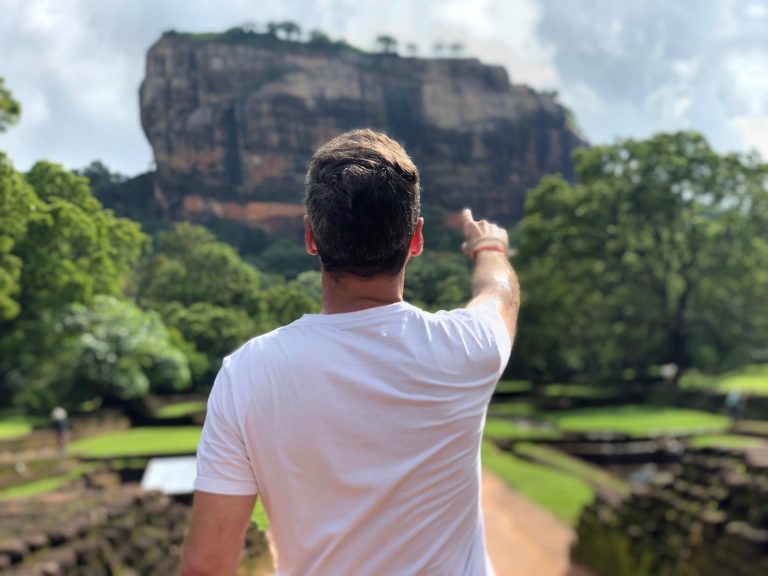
(270, 38)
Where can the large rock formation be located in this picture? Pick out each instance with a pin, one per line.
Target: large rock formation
(234, 123)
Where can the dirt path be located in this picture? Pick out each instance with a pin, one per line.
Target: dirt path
(522, 538)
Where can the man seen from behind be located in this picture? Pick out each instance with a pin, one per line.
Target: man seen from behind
(360, 427)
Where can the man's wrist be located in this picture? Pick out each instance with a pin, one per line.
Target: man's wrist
(490, 249)
(485, 244)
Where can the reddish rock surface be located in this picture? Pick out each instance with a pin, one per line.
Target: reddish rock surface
(234, 124)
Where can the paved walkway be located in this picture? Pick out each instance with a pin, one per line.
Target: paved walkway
(522, 538)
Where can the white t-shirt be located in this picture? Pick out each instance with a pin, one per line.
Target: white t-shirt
(361, 433)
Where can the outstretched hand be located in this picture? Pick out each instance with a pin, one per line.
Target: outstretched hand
(482, 235)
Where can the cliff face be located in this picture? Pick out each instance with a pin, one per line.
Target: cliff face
(233, 126)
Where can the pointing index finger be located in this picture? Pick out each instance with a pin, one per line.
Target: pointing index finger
(466, 216)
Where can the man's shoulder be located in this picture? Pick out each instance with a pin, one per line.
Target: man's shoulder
(257, 349)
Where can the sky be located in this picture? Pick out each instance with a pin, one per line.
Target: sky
(628, 68)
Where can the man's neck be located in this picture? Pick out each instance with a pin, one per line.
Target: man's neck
(352, 293)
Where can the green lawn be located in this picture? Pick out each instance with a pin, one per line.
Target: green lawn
(638, 420)
(563, 495)
(752, 379)
(45, 484)
(14, 427)
(514, 386)
(259, 516)
(181, 409)
(576, 467)
(140, 442)
(725, 441)
(579, 391)
(523, 409)
(507, 430)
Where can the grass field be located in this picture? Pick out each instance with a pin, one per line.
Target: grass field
(563, 495)
(181, 409)
(507, 430)
(579, 391)
(752, 379)
(725, 441)
(140, 442)
(637, 420)
(14, 427)
(45, 484)
(575, 467)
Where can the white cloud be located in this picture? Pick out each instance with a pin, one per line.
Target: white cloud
(625, 68)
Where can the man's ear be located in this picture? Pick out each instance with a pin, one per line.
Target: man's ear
(309, 238)
(417, 240)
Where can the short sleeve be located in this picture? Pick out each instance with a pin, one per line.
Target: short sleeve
(223, 466)
(491, 319)
(489, 345)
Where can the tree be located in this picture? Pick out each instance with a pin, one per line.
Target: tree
(10, 109)
(109, 350)
(320, 38)
(75, 250)
(438, 280)
(100, 177)
(387, 44)
(189, 265)
(457, 49)
(291, 29)
(213, 331)
(203, 289)
(657, 256)
(19, 205)
(57, 247)
(438, 48)
(412, 49)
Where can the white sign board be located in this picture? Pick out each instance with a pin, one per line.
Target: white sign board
(170, 475)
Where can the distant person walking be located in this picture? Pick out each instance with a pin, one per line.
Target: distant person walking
(734, 404)
(360, 427)
(60, 421)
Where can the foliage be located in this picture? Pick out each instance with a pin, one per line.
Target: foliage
(57, 247)
(286, 257)
(214, 299)
(181, 409)
(513, 386)
(750, 379)
(109, 349)
(387, 44)
(637, 265)
(140, 442)
(636, 420)
(10, 109)
(100, 177)
(438, 280)
(19, 206)
(560, 493)
(214, 331)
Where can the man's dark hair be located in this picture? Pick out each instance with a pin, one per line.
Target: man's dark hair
(363, 204)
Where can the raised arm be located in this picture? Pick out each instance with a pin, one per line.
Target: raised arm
(493, 278)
